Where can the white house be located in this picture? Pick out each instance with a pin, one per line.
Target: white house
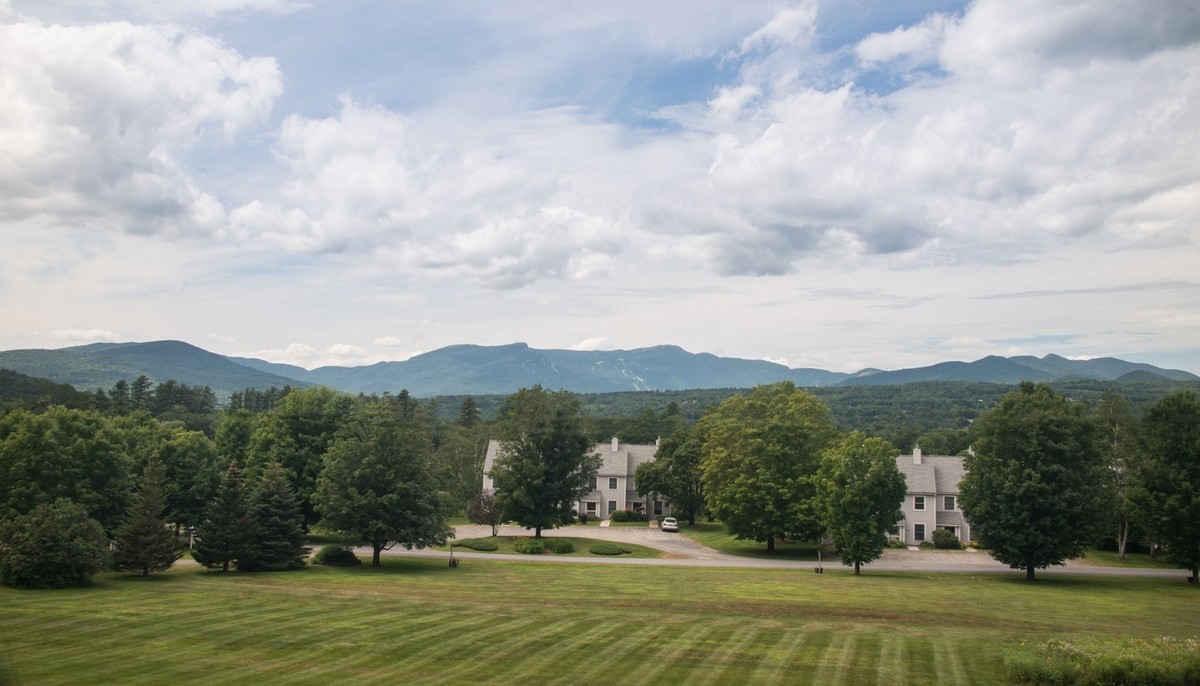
(613, 488)
(931, 502)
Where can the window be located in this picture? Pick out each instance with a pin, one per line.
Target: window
(657, 507)
(593, 483)
(612, 506)
(949, 502)
(919, 532)
(638, 506)
(918, 503)
(612, 483)
(591, 508)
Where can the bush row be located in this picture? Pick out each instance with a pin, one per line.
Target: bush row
(480, 544)
(608, 549)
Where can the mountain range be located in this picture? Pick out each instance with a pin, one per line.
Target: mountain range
(503, 369)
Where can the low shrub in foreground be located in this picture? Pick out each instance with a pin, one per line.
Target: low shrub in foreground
(620, 516)
(336, 556)
(528, 546)
(608, 549)
(1113, 662)
(481, 545)
(559, 545)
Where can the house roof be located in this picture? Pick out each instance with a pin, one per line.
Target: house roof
(936, 475)
(620, 462)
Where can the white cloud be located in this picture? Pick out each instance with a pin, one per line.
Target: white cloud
(310, 357)
(97, 118)
(594, 343)
(918, 44)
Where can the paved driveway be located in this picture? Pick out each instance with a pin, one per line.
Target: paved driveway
(681, 551)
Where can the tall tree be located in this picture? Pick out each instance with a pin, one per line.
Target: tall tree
(61, 453)
(760, 459)
(544, 465)
(189, 460)
(1033, 491)
(862, 490)
(296, 434)
(141, 396)
(144, 543)
(234, 431)
(1171, 477)
(278, 535)
(1121, 449)
(468, 412)
(227, 530)
(377, 486)
(675, 473)
(54, 545)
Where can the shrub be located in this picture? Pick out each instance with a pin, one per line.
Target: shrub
(896, 543)
(637, 517)
(946, 540)
(52, 546)
(608, 549)
(620, 516)
(583, 518)
(528, 546)
(480, 544)
(559, 545)
(1120, 661)
(926, 545)
(336, 556)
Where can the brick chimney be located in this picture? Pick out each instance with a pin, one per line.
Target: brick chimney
(917, 454)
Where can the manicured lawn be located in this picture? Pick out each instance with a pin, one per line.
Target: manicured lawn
(415, 620)
(581, 547)
(1108, 558)
(716, 536)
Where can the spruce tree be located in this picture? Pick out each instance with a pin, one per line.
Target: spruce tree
(277, 542)
(144, 542)
(226, 531)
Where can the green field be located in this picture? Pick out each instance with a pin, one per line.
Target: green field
(415, 620)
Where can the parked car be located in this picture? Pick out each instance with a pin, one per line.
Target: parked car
(669, 524)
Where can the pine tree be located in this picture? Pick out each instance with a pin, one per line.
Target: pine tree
(277, 542)
(144, 542)
(226, 531)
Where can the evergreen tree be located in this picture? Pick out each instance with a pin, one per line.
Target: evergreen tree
(277, 542)
(468, 412)
(144, 542)
(226, 531)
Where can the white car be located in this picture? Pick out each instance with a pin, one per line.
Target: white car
(669, 524)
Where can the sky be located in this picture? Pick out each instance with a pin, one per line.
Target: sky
(840, 185)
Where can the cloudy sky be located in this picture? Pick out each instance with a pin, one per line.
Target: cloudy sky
(863, 183)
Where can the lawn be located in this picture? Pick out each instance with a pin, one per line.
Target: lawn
(581, 547)
(415, 620)
(716, 536)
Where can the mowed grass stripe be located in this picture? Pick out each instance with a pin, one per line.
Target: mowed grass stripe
(603, 645)
(498, 662)
(673, 658)
(831, 668)
(891, 670)
(730, 663)
(452, 643)
(540, 662)
(947, 663)
(778, 668)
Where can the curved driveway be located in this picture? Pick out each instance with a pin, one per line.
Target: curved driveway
(681, 551)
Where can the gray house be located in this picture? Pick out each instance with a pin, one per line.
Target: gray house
(931, 502)
(613, 488)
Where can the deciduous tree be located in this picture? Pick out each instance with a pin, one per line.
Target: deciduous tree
(54, 545)
(862, 490)
(485, 511)
(760, 458)
(675, 473)
(377, 486)
(1172, 477)
(545, 464)
(1033, 489)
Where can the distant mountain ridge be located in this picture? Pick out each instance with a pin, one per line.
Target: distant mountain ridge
(502, 369)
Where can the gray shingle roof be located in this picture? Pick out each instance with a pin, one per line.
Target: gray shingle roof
(936, 475)
(620, 463)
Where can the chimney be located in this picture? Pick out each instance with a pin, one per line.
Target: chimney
(917, 454)
(615, 442)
